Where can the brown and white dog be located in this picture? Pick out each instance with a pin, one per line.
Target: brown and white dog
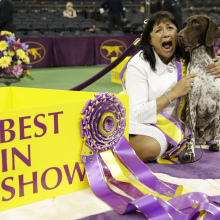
(199, 34)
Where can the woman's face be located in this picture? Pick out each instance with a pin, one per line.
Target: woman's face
(164, 40)
(69, 8)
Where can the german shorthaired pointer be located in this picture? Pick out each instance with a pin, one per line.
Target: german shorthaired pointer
(199, 34)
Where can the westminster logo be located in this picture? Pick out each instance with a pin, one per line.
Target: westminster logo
(112, 48)
(37, 52)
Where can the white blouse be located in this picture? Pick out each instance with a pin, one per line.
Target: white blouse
(144, 86)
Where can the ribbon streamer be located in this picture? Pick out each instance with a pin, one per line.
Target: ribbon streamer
(109, 159)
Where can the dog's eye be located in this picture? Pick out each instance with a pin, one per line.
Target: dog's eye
(194, 23)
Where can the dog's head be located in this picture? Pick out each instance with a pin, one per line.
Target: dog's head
(198, 30)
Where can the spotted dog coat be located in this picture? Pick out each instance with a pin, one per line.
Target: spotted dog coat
(199, 34)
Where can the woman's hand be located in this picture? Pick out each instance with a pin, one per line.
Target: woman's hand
(214, 69)
(182, 87)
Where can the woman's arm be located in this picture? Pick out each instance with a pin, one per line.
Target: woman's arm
(214, 69)
(65, 14)
(141, 108)
(74, 13)
(180, 89)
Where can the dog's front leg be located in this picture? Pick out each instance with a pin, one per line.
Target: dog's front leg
(215, 146)
(189, 155)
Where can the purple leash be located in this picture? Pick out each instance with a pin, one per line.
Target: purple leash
(108, 68)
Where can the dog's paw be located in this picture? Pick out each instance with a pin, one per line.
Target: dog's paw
(214, 147)
(187, 158)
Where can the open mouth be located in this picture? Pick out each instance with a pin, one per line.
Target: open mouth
(167, 45)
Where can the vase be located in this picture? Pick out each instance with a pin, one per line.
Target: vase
(8, 80)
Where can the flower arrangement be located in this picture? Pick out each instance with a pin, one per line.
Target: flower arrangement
(14, 60)
(217, 48)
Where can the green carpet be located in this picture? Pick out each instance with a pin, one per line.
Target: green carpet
(64, 78)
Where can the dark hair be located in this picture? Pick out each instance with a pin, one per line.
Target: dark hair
(145, 45)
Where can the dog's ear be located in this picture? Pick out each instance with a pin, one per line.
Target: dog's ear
(212, 34)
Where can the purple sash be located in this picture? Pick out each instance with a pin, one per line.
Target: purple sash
(178, 145)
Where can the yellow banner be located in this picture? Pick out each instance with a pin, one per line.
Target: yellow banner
(40, 143)
(115, 73)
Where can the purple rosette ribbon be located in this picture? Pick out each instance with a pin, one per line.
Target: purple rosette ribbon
(103, 123)
(102, 127)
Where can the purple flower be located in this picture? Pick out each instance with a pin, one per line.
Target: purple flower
(11, 48)
(10, 40)
(8, 70)
(25, 46)
(18, 45)
(17, 70)
(218, 42)
(26, 67)
(15, 58)
(1, 53)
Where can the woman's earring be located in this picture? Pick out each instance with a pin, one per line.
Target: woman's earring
(152, 47)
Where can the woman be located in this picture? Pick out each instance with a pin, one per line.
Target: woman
(69, 12)
(152, 85)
